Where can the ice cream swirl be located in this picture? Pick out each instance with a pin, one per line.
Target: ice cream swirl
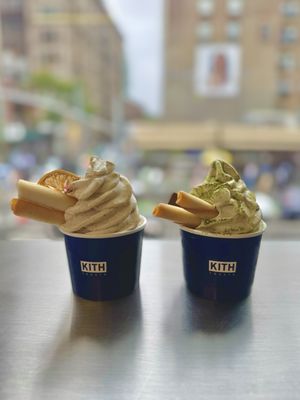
(236, 204)
(106, 203)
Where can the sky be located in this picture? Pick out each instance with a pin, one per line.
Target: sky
(140, 23)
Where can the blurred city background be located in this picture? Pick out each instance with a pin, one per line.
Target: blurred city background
(161, 88)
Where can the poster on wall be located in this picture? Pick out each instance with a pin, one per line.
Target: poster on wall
(217, 70)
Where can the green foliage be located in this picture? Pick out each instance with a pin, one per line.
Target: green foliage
(70, 91)
(47, 82)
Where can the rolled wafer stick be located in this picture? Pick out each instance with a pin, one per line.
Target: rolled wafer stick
(177, 214)
(24, 208)
(43, 196)
(195, 205)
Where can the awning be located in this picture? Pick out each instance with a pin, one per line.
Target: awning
(241, 137)
(187, 136)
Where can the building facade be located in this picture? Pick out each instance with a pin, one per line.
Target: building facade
(12, 25)
(227, 58)
(13, 43)
(77, 40)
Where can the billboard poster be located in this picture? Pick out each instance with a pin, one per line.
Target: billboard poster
(217, 70)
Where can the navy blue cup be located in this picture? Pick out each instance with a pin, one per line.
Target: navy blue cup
(218, 267)
(106, 267)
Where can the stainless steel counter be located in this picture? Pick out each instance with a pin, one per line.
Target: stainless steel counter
(160, 343)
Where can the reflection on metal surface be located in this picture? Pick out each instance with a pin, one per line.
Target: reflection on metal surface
(94, 319)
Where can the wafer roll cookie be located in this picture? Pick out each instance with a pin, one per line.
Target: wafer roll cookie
(195, 205)
(177, 215)
(43, 196)
(24, 208)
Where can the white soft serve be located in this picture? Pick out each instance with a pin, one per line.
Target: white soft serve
(106, 203)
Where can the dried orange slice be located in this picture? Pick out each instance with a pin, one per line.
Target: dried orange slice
(58, 179)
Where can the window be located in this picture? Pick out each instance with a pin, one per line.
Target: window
(265, 32)
(48, 9)
(289, 34)
(49, 58)
(213, 69)
(204, 30)
(206, 7)
(48, 36)
(235, 7)
(233, 30)
(11, 5)
(290, 9)
(287, 62)
(284, 88)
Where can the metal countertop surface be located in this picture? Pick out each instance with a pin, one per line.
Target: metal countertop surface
(159, 343)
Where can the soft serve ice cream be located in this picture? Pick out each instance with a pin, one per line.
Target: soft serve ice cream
(102, 227)
(99, 203)
(105, 202)
(238, 211)
(222, 204)
(221, 230)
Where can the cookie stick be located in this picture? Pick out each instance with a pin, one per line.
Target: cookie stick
(195, 205)
(44, 196)
(24, 208)
(177, 215)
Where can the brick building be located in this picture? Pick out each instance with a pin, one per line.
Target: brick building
(76, 39)
(226, 58)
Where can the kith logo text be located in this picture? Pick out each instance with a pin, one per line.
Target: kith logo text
(94, 267)
(223, 267)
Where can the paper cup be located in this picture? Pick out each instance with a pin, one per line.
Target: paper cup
(219, 267)
(106, 267)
